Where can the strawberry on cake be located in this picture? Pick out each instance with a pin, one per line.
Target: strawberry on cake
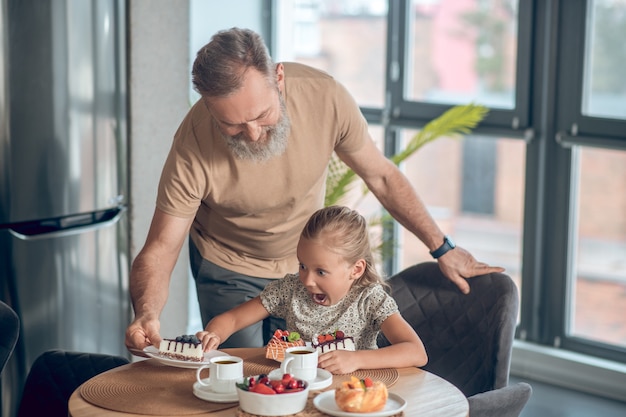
(333, 341)
(281, 341)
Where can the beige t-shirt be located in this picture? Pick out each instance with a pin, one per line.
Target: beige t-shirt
(249, 215)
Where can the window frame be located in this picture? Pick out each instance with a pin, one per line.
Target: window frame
(411, 113)
(549, 90)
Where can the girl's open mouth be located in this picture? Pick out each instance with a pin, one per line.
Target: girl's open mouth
(319, 298)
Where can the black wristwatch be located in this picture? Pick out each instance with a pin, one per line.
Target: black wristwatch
(448, 244)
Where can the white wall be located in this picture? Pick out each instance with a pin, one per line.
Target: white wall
(158, 101)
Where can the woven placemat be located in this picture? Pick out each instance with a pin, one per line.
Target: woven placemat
(309, 411)
(148, 387)
(259, 364)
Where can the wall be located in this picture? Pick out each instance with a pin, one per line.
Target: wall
(158, 101)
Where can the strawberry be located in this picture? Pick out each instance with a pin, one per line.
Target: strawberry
(328, 337)
(339, 334)
(321, 338)
(263, 389)
(368, 382)
(286, 378)
(276, 384)
(278, 334)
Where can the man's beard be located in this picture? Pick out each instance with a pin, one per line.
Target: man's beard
(274, 143)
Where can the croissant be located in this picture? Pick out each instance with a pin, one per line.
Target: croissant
(361, 396)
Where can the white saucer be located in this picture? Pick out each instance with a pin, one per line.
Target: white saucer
(206, 393)
(323, 379)
(325, 402)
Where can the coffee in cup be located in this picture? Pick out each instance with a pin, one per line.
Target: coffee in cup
(301, 362)
(224, 372)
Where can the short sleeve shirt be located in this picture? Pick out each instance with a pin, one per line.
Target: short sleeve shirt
(248, 215)
(359, 314)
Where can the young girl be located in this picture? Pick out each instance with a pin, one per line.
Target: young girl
(337, 287)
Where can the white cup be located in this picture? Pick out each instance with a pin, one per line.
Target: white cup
(301, 362)
(224, 372)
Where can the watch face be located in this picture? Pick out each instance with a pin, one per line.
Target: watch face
(450, 242)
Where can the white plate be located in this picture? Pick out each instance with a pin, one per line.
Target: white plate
(153, 352)
(323, 379)
(325, 402)
(207, 394)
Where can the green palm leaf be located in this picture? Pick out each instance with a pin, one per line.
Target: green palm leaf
(458, 120)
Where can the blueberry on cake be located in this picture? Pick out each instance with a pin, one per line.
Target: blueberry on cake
(185, 348)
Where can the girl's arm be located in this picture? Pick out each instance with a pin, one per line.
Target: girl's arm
(406, 349)
(221, 327)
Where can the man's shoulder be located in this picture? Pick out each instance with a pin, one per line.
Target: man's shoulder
(295, 70)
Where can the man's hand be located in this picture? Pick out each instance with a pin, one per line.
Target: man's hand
(142, 333)
(458, 265)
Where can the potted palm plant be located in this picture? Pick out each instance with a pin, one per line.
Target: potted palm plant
(455, 122)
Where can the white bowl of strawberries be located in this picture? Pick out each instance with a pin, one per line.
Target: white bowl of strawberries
(263, 396)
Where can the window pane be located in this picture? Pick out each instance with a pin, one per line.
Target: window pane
(462, 51)
(598, 298)
(205, 20)
(604, 93)
(345, 38)
(358, 198)
(487, 221)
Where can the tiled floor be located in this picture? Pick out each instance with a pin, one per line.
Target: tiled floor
(551, 401)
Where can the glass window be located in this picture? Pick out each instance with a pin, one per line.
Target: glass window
(345, 38)
(205, 19)
(474, 189)
(604, 87)
(598, 283)
(462, 51)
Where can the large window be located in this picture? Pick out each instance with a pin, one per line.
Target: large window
(597, 294)
(504, 191)
(538, 187)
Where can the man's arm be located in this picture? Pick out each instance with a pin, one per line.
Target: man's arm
(396, 194)
(150, 277)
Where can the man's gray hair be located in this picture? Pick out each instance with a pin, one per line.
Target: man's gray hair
(220, 65)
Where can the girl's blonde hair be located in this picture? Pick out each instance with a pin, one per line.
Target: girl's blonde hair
(344, 231)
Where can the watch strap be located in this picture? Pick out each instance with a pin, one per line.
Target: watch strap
(448, 245)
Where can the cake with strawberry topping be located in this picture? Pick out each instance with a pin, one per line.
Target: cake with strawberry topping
(281, 341)
(333, 341)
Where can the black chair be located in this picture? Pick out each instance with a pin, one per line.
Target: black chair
(9, 330)
(9, 333)
(55, 375)
(468, 338)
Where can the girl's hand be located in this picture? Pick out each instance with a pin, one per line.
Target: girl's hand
(339, 362)
(209, 340)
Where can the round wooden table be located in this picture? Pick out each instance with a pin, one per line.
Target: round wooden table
(427, 395)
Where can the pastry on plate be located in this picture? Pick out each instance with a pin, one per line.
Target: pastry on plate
(361, 395)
